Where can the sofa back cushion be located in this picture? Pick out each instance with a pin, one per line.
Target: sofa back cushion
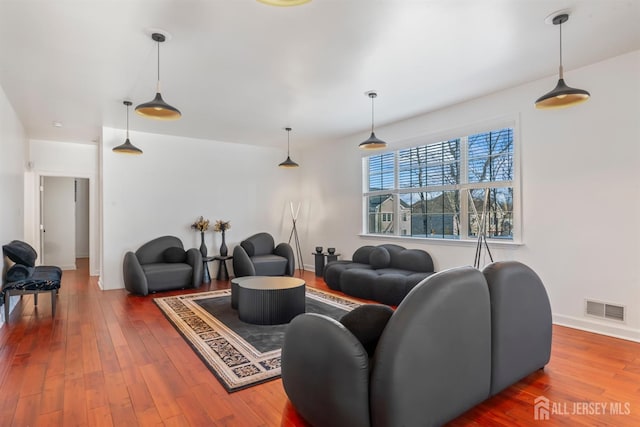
(379, 258)
(174, 254)
(152, 252)
(258, 244)
(20, 252)
(409, 259)
(361, 255)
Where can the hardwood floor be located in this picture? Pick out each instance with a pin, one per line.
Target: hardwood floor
(109, 358)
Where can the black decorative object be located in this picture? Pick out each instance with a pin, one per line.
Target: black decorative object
(157, 108)
(562, 95)
(331, 251)
(203, 247)
(223, 246)
(319, 249)
(127, 147)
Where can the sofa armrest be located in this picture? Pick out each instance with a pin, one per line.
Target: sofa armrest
(285, 250)
(242, 265)
(325, 372)
(134, 279)
(194, 259)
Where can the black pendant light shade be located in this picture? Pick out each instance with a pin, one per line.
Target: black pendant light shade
(562, 95)
(288, 163)
(373, 143)
(127, 147)
(157, 108)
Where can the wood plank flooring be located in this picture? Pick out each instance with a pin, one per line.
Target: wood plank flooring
(112, 359)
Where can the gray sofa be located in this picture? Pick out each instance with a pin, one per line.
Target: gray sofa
(384, 273)
(258, 255)
(459, 337)
(160, 265)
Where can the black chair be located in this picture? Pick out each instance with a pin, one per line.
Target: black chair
(162, 264)
(23, 277)
(259, 256)
(459, 337)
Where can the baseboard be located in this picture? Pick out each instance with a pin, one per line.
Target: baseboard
(68, 267)
(616, 331)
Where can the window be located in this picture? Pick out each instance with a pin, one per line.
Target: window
(448, 190)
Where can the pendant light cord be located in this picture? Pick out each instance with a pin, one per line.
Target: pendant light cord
(127, 121)
(158, 84)
(288, 130)
(372, 96)
(561, 67)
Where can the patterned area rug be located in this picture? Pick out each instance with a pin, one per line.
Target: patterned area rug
(239, 354)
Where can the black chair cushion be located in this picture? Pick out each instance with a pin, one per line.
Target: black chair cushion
(44, 278)
(20, 253)
(19, 272)
(269, 265)
(367, 323)
(174, 255)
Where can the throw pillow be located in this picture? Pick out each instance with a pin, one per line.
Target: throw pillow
(20, 253)
(174, 255)
(367, 323)
(18, 272)
(379, 258)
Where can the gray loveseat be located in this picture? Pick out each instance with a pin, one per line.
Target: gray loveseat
(458, 338)
(160, 265)
(384, 273)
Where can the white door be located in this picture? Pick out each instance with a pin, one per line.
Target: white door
(59, 222)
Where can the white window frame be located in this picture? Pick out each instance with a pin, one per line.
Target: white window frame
(462, 133)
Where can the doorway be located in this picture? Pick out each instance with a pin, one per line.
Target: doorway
(64, 220)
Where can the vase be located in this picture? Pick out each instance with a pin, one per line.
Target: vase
(223, 246)
(203, 247)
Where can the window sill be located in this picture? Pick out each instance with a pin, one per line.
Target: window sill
(446, 242)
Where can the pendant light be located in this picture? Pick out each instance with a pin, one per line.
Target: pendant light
(562, 95)
(157, 108)
(372, 143)
(127, 147)
(288, 163)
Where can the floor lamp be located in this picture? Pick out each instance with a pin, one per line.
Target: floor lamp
(482, 229)
(294, 234)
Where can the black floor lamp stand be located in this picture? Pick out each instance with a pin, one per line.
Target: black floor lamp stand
(294, 234)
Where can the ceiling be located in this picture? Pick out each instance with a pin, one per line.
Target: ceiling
(240, 71)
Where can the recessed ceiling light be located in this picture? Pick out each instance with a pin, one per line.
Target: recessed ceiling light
(56, 124)
(284, 2)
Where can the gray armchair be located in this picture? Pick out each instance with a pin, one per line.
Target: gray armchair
(459, 337)
(258, 256)
(162, 264)
(432, 360)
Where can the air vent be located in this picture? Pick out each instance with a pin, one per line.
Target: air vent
(604, 310)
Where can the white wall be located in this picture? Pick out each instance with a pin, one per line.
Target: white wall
(579, 169)
(164, 190)
(82, 218)
(59, 238)
(54, 158)
(12, 166)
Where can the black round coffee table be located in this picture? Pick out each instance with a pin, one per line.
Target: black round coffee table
(270, 300)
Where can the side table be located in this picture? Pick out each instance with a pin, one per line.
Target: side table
(223, 273)
(320, 260)
(206, 277)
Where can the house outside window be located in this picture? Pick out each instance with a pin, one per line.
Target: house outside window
(446, 189)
